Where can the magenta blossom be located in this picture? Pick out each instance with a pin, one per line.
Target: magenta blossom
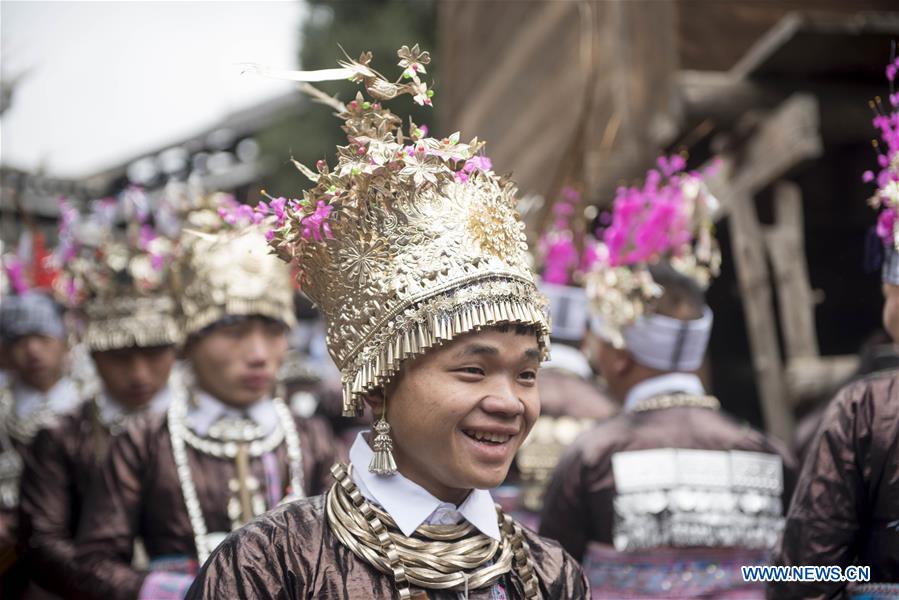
(157, 262)
(477, 163)
(570, 194)
(16, 273)
(652, 220)
(672, 165)
(316, 224)
(560, 258)
(886, 223)
(146, 237)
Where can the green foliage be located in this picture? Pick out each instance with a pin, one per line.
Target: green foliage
(381, 26)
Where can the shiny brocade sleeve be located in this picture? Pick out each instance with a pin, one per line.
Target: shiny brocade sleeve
(291, 553)
(560, 575)
(109, 521)
(273, 556)
(848, 491)
(45, 509)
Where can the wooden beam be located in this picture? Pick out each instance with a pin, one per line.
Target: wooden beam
(812, 378)
(785, 138)
(788, 137)
(720, 97)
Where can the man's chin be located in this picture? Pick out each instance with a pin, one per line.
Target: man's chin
(243, 398)
(488, 478)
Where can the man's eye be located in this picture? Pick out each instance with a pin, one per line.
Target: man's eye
(472, 370)
(274, 329)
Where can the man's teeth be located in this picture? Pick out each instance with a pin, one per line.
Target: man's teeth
(493, 438)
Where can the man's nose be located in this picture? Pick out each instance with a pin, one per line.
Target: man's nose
(256, 348)
(503, 400)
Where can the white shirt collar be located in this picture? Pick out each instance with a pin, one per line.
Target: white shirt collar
(411, 505)
(687, 383)
(111, 411)
(60, 398)
(208, 409)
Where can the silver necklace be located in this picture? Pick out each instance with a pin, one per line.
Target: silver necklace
(181, 436)
(674, 401)
(24, 430)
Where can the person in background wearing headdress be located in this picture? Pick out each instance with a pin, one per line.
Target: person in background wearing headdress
(120, 284)
(570, 398)
(33, 339)
(671, 497)
(435, 320)
(846, 507)
(226, 450)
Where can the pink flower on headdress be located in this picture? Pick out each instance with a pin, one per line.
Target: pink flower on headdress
(316, 223)
(886, 223)
(227, 216)
(475, 163)
(652, 220)
(157, 261)
(564, 210)
(672, 165)
(570, 194)
(68, 216)
(278, 208)
(15, 272)
(560, 258)
(589, 257)
(146, 237)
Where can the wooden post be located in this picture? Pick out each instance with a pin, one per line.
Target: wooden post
(753, 278)
(785, 138)
(808, 374)
(785, 242)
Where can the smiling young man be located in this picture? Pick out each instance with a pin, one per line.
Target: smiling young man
(226, 450)
(132, 334)
(435, 321)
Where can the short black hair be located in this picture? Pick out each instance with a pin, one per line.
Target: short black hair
(228, 320)
(528, 329)
(682, 298)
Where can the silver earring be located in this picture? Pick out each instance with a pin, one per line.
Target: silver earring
(382, 463)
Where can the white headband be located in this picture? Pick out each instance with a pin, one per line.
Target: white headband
(568, 308)
(665, 343)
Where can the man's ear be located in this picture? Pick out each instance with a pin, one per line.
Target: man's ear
(624, 362)
(375, 401)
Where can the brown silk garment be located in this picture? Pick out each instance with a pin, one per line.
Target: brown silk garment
(291, 554)
(580, 502)
(13, 573)
(62, 461)
(846, 507)
(137, 494)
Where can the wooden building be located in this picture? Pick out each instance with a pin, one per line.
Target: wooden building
(588, 93)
